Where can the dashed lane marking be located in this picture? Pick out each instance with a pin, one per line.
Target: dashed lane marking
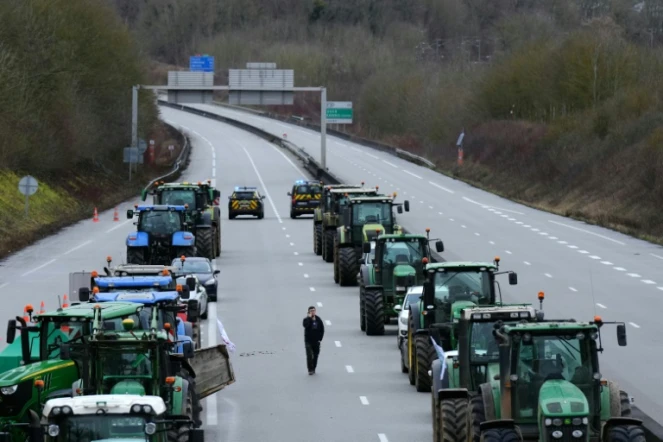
(363, 400)
(349, 369)
(601, 305)
(337, 343)
(587, 231)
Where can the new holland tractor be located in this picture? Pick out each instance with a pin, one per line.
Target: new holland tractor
(449, 287)
(162, 235)
(203, 212)
(361, 221)
(476, 360)
(398, 265)
(36, 356)
(332, 204)
(549, 387)
(324, 206)
(110, 417)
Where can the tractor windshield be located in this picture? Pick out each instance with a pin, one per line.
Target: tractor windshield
(537, 358)
(408, 252)
(100, 428)
(160, 222)
(129, 362)
(179, 197)
(466, 285)
(483, 347)
(371, 213)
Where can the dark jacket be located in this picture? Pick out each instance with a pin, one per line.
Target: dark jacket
(313, 330)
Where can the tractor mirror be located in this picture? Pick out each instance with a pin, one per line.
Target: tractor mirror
(186, 293)
(429, 294)
(130, 214)
(406, 204)
(84, 294)
(439, 246)
(191, 283)
(196, 435)
(289, 194)
(65, 352)
(621, 335)
(11, 331)
(216, 272)
(367, 247)
(187, 350)
(399, 209)
(192, 311)
(398, 308)
(513, 278)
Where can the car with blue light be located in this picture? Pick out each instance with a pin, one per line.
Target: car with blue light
(305, 197)
(202, 269)
(162, 234)
(246, 201)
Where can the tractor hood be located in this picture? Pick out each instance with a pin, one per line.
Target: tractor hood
(404, 270)
(12, 355)
(369, 231)
(37, 370)
(562, 398)
(457, 306)
(128, 387)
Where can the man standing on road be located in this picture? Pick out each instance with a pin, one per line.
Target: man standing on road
(314, 330)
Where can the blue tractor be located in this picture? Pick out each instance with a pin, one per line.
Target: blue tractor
(161, 235)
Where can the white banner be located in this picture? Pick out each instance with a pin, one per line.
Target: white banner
(440, 356)
(224, 336)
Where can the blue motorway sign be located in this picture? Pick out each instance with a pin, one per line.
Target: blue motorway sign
(201, 63)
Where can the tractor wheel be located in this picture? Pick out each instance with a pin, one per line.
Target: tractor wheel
(620, 404)
(362, 309)
(196, 407)
(348, 267)
(475, 416)
(501, 435)
(425, 355)
(336, 261)
(317, 239)
(195, 334)
(181, 433)
(136, 255)
(411, 353)
(205, 243)
(626, 433)
(217, 237)
(186, 251)
(374, 311)
(328, 246)
(403, 366)
(451, 420)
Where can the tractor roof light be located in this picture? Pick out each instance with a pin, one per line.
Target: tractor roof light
(170, 380)
(94, 274)
(424, 260)
(541, 296)
(95, 290)
(598, 321)
(109, 258)
(128, 324)
(179, 288)
(165, 272)
(39, 384)
(427, 229)
(497, 259)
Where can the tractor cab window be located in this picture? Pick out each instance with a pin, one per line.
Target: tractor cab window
(483, 346)
(403, 253)
(179, 198)
(371, 213)
(101, 427)
(244, 195)
(539, 358)
(129, 362)
(472, 285)
(160, 222)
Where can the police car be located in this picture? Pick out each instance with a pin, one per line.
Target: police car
(305, 197)
(246, 201)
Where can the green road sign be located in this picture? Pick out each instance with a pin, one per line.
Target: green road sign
(339, 112)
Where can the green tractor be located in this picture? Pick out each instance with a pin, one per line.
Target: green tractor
(333, 203)
(36, 355)
(202, 210)
(362, 220)
(461, 372)
(549, 387)
(449, 287)
(318, 213)
(383, 282)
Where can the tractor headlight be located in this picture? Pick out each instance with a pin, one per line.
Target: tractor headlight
(557, 434)
(548, 422)
(400, 288)
(56, 411)
(557, 422)
(150, 428)
(9, 390)
(577, 421)
(577, 433)
(403, 320)
(136, 408)
(147, 409)
(53, 430)
(67, 410)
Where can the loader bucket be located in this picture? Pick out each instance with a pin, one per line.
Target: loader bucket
(213, 370)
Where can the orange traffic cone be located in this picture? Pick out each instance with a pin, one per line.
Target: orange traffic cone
(42, 308)
(116, 216)
(96, 216)
(64, 301)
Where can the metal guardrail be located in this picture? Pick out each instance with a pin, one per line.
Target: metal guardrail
(179, 162)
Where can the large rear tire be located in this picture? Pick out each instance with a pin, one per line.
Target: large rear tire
(336, 260)
(348, 267)
(362, 309)
(374, 311)
(181, 433)
(317, 239)
(626, 433)
(411, 353)
(451, 420)
(136, 255)
(328, 246)
(186, 251)
(217, 237)
(205, 243)
(501, 435)
(425, 355)
(475, 416)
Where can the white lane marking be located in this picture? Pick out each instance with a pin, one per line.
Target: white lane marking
(572, 247)
(504, 216)
(312, 289)
(287, 236)
(492, 242)
(338, 343)
(511, 219)
(543, 233)
(535, 230)
(371, 155)
(300, 263)
(562, 242)
(552, 237)
(292, 243)
(4, 285)
(491, 208)
(595, 257)
(319, 304)
(601, 305)
(211, 146)
(527, 226)
(620, 269)
(656, 256)
(548, 275)
(264, 188)
(382, 437)
(430, 207)
(477, 234)
(451, 219)
(119, 225)
(509, 252)
(421, 202)
(77, 247)
(584, 252)
(327, 322)
(572, 289)
(520, 222)
(464, 226)
(305, 275)
(587, 231)
(440, 187)
(608, 263)
(633, 275)
(349, 369)
(212, 340)
(363, 400)
(296, 253)
(40, 267)
(283, 228)
(660, 288)
(648, 281)
(391, 164)
(497, 213)
(440, 213)
(634, 324)
(527, 263)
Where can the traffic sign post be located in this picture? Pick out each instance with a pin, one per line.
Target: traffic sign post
(28, 186)
(201, 63)
(339, 112)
